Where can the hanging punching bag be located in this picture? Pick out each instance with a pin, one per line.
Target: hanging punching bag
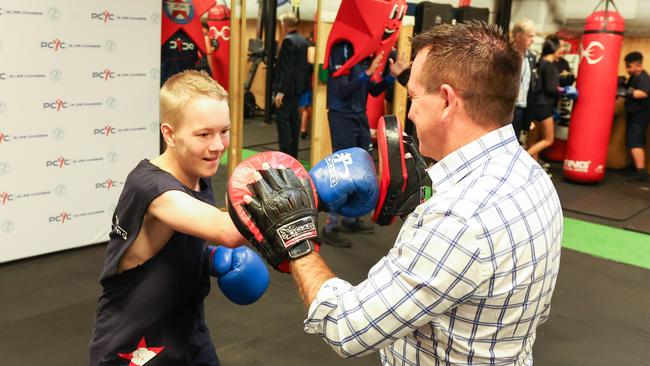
(219, 33)
(593, 112)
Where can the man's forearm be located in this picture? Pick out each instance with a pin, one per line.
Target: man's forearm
(310, 272)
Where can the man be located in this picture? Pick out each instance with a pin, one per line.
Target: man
(523, 34)
(157, 268)
(637, 113)
(472, 271)
(291, 82)
(346, 102)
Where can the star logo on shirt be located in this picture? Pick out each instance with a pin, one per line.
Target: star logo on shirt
(142, 354)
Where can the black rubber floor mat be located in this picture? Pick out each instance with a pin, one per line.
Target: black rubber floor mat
(640, 223)
(613, 199)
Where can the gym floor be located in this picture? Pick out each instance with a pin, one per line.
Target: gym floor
(600, 313)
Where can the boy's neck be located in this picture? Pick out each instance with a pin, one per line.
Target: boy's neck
(167, 163)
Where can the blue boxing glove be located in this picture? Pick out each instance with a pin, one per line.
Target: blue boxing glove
(242, 274)
(346, 182)
(569, 92)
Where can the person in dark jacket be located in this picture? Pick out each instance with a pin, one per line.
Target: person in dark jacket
(522, 35)
(292, 80)
(567, 77)
(347, 95)
(546, 95)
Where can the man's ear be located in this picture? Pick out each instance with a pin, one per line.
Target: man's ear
(168, 133)
(450, 99)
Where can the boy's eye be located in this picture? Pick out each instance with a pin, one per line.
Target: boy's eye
(204, 134)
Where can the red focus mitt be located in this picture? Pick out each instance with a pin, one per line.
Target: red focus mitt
(404, 182)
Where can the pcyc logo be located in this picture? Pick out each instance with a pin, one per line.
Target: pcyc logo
(105, 74)
(108, 184)
(106, 130)
(57, 105)
(103, 16)
(61, 218)
(6, 197)
(55, 45)
(4, 137)
(60, 162)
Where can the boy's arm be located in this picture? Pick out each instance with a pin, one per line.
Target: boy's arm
(188, 215)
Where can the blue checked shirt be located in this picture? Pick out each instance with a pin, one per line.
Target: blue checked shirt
(471, 274)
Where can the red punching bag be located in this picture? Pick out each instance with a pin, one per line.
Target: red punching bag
(593, 112)
(219, 33)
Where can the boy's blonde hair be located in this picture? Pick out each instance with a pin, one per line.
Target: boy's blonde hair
(179, 89)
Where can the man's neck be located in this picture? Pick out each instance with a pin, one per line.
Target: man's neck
(468, 133)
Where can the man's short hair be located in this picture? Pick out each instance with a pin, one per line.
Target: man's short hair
(179, 89)
(478, 61)
(522, 26)
(290, 20)
(634, 56)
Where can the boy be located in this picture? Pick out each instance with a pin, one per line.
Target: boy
(637, 113)
(156, 272)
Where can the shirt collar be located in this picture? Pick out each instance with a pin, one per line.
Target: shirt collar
(457, 165)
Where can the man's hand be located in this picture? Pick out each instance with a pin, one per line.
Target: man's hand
(375, 64)
(278, 100)
(396, 68)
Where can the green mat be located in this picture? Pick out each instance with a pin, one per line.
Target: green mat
(607, 242)
(248, 153)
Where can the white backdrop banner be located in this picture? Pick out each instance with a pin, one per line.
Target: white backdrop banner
(79, 85)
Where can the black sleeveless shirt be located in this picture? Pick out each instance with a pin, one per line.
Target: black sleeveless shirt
(153, 314)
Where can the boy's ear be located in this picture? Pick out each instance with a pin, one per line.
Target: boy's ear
(168, 133)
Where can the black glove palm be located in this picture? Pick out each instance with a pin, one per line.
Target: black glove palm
(284, 209)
